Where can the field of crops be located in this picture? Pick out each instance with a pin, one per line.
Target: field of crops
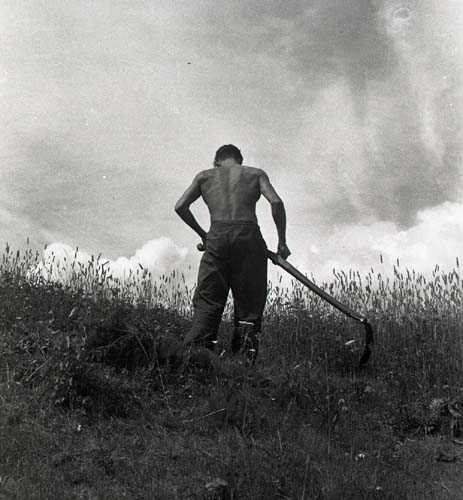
(94, 406)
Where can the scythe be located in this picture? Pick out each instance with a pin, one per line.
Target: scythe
(279, 261)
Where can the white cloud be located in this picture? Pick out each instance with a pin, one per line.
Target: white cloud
(435, 239)
(159, 256)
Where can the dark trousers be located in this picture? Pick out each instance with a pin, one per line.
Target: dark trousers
(236, 258)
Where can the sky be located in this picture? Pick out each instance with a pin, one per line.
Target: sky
(353, 107)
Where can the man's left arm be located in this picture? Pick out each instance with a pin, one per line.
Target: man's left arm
(182, 207)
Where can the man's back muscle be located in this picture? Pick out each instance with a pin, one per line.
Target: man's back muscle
(231, 192)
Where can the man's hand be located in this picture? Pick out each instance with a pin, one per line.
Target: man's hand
(283, 250)
(202, 246)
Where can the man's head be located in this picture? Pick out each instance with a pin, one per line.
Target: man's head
(228, 151)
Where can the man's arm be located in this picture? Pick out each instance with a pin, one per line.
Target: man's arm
(182, 207)
(278, 213)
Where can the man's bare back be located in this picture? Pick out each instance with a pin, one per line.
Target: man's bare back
(231, 191)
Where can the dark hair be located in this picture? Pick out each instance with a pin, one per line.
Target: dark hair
(228, 151)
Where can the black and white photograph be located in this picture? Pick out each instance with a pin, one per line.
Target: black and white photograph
(231, 250)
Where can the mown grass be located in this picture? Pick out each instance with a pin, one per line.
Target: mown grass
(93, 406)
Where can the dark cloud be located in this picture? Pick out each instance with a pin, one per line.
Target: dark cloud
(383, 51)
(377, 48)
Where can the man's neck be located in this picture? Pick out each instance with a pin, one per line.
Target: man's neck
(229, 162)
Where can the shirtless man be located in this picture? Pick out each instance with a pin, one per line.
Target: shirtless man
(235, 253)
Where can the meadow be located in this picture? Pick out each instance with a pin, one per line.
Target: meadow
(94, 405)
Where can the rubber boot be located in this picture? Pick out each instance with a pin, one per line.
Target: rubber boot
(245, 340)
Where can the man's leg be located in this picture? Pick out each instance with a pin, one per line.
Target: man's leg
(249, 287)
(209, 298)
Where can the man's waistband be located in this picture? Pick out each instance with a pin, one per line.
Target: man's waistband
(223, 223)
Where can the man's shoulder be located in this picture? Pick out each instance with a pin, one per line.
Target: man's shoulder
(254, 171)
(204, 174)
(210, 172)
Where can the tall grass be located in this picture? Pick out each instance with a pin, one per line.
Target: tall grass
(75, 338)
(418, 320)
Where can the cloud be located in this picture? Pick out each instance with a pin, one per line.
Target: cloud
(400, 96)
(434, 240)
(384, 77)
(159, 256)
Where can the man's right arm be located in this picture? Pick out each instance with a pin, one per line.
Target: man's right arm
(182, 207)
(278, 213)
